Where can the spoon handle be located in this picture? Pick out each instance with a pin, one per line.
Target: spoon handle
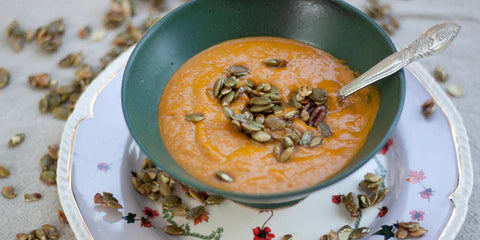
(434, 40)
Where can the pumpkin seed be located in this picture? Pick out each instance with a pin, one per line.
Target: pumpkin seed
(53, 151)
(290, 115)
(46, 161)
(240, 91)
(48, 177)
(228, 112)
(107, 200)
(402, 233)
(324, 237)
(273, 96)
(4, 172)
(70, 60)
(351, 202)
(260, 119)
(373, 198)
(455, 91)
(248, 115)
(214, 200)
(287, 237)
(418, 233)
(224, 176)
(272, 133)
(195, 212)
(276, 63)
(180, 210)
(304, 115)
(261, 136)
(287, 154)
(237, 124)
(293, 101)
(154, 196)
(299, 98)
(304, 91)
(359, 233)
(40, 234)
(374, 186)
(372, 177)
(277, 151)
(277, 109)
(307, 138)
(16, 140)
(217, 87)
(173, 230)
(332, 235)
(197, 195)
(258, 108)
(440, 74)
(324, 129)
(287, 142)
(294, 136)
(22, 236)
(237, 70)
(230, 82)
(319, 95)
(51, 231)
(410, 226)
(275, 123)
(364, 201)
(344, 232)
(264, 87)
(316, 141)
(165, 190)
(9, 192)
(262, 101)
(32, 197)
(252, 126)
(61, 113)
(428, 107)
(4, 77)
(227, 99)
(225, 91)
(84, 32)
(171, 201)
(194, 117)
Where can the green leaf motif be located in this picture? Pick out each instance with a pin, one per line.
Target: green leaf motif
(386, 232)
(130, 218)
(215, 235)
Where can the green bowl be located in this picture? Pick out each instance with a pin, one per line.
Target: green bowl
(333, 26)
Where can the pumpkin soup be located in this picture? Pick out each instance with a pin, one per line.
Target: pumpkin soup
(261, 115)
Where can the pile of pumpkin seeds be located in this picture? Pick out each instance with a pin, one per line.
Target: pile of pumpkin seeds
(156, 184)
(107, 200)
(410, 230)
(4, 77)
(265, 118)
(372, 184)
(48, 163)
(121, 42)
(346, 233)
(47, 231)
(49, 37)
(120, 11)
(382, 12)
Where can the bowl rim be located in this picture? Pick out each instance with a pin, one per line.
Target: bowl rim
(254, 196)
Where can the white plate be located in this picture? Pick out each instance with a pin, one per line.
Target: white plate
(427, 168)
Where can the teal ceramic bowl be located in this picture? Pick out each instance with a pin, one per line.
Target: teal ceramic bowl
(333, 26)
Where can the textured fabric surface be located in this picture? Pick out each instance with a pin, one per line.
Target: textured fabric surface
(19, 102)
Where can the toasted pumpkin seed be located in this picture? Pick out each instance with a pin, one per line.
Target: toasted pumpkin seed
(173, 230)
(61, 113)
(238, 70)
(46, 161)
(319, 95)
(261, 101)
(228, 112)
(418, 233)
(401, 233)
(230, 82)
(359, 233)
(277, 151)
(428, 107)
(299, 97)
(304, 115)
(287, 154)
(194, 117)
(264, 87)
(410, 226)
(455, 91)
(4, 172)
(50, 231)
(351, 202)
(32, 197)
(195, 212)
(293, 101)
(260, 118)
(440, 74)
(180, 210)
(171, 201)
(227, 99)
(381, 195)
(324, 237)
(53, 151)
(240, 91)
(276, 63)
(261, 136)
(40, 234)
(372, 177)
(9, 192)
(290, 115)
(304, 91)
(48, 177)
(260, 108)
(307, 138)
(287, 237)
(224, 176)
(248, 115)
(16, 140)
(287, 142)
(4, 77)
(252, 126)
(316, 141)
(275, 123)
(214, 200)
(217, 87)
(225, 91)
(324, 129)
(344, 232)
(237, 124)
(364, 201)
(273, 96)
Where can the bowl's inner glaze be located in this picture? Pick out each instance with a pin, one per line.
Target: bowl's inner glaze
(332, 26)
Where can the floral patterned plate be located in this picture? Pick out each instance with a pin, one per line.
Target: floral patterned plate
(426, 165)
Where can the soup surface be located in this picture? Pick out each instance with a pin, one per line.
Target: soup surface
(214, 144)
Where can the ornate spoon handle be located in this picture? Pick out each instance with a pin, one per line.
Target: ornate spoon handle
(434, 40)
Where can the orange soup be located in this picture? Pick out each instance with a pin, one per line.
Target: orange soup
(212, 143)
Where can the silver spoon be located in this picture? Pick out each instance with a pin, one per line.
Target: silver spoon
(432, 41)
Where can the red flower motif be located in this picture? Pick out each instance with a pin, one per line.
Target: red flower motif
(383, 211)
(203, 217)
(150, 212)
(262, 233)
(415, 177)
(146, 223)
(417, 215)
(427, 193)
(385, 148)
(337, 199)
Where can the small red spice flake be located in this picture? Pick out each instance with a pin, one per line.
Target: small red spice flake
(150, 212)
(337, 199)
(383, 211)
(145, 223)
(203, 217)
